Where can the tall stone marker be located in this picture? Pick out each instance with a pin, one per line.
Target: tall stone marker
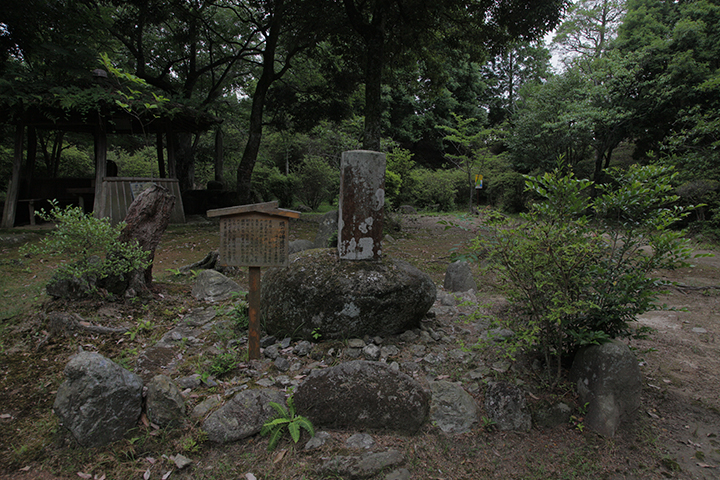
(362, 198)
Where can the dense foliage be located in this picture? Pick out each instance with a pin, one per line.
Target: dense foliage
(577, 265)
(92, 245)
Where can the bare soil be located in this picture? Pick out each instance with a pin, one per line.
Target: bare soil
(675, 433)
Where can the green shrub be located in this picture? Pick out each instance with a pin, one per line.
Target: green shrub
(434, 189)
(577, 266)
(270, 184)
(505, 192)
(91, 242)
(399, 182)
(317, 182)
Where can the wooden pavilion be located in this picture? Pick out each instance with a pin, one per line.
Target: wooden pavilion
(100, 122)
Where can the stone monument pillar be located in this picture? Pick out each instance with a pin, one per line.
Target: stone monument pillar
(362, 198)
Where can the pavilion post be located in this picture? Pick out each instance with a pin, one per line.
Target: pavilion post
(8, 220)
(100, 170)
(161, 158)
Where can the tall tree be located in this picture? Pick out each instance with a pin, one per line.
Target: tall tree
(517, 64)
(589, 28)
(388, 29)
(676, 47)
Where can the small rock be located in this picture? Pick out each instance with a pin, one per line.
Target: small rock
(267, 341)
(359, 441)
(352, 352)
(363, 466)
(181, 461)
(389, 351)
(400, 474)
(164, 403)
(303, 348)
(266, 382)
(408, 336)
(193, 381)
(371, 352)
(355, 343)
(282, 364)
(320, 439)
(272, 352)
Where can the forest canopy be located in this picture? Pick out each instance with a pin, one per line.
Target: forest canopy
(296, 83)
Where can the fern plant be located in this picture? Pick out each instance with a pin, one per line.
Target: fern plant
(285, 417)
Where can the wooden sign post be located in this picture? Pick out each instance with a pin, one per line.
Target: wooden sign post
(254, 236)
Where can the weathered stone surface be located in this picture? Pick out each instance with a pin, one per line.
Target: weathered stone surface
(363, 395)
(360, 441)
(213, 286)
(202, 408)
(399, 474)
(551, 416)
(505, 404)
(242, 416)
(299, 245)
(164, 404)
(99, 401)
(452, 409)
(361, 205)
(458, 277)
(327, 230)
(608, 379)
(145, 222)
(317, 293)
(352, 467)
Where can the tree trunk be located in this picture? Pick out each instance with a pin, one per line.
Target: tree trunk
(147, 218)
(268, 75)
(185, 161)
(375, 44)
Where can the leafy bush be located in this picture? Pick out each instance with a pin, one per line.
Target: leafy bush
(271, 184)
(399, 182)
(317, 182)
(505, 191)
(435, 189)
(578, 266)
(93, 243)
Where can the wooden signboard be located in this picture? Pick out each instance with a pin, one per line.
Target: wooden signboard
(254, 236)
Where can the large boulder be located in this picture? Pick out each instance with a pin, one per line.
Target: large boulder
(608, 379)
(319, 294)
(362, 395)
(100, 401)
(242, 416)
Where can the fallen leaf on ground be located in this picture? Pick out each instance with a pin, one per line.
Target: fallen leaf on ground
(279, 456)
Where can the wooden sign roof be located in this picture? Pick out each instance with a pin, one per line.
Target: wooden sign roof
(269, 208)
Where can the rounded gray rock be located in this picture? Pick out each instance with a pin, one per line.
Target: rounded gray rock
(319, 294)
(164, 403)
(100, 401)
(242, 416)
(363, 395)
